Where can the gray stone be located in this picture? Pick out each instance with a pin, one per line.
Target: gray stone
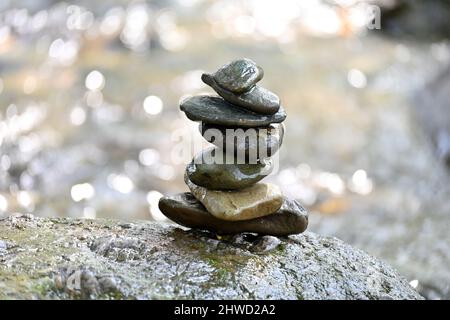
(215, 110)
(257, 99)
(187, 211)
(178, 264)
(266, 244)
(227, 175)
(238, 75)
(250, 143)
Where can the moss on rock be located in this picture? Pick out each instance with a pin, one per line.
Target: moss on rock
(105, 259)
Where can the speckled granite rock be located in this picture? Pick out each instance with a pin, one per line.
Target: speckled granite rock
(65, 258)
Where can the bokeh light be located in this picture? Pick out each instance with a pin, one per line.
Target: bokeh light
(153, 105)
(82, 191)
(95, 80)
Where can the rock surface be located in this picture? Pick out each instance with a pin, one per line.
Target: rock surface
(225, 175)
(187, 211)
(259, 200)
(61, 258)
(215, 110)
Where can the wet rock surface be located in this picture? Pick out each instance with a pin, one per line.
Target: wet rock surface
(85, 283)
(62, 258)
(215, 110)
(187, 211)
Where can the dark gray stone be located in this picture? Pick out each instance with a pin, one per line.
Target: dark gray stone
(215, 110)
(239, 75)
(186, 210)
(265, 244)
(223, 176)
(257, 99)
(261, 143)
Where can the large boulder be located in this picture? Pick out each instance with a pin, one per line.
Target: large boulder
(54, 258)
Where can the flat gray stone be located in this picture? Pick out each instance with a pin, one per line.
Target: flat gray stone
(215, 110)
(256, 99)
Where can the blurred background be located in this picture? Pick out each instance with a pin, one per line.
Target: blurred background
(89, 94)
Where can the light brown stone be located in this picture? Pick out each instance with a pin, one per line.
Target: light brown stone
(256, 201)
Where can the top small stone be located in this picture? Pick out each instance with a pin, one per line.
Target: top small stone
(239, 75)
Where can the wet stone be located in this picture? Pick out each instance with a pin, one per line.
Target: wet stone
(215, 110)
(187, 211)
(239, 75)
(215, 171)
(248, 143)
(266, 244)
(244, 124)
(259, 200)
(243, 239)
(257, 99)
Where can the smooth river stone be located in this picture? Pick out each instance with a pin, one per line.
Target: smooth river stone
(215, 110)
(261, 143)
(187, 211)
(239, 75)
(256, 201)
(257, 99)
(229, 174)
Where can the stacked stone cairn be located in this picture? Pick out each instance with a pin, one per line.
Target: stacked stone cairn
(244, 123)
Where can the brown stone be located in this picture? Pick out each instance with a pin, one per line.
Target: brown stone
(259, 200)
